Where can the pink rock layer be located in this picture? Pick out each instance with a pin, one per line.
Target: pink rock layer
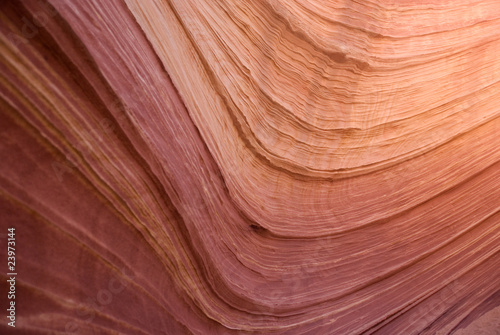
(270, 166)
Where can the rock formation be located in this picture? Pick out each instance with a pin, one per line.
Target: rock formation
(267, 166)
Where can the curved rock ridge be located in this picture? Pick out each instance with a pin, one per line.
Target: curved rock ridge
(263, 167)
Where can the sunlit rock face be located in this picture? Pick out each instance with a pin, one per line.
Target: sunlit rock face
(268, 166)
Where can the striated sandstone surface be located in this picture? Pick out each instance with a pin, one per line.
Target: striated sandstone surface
(268, 166)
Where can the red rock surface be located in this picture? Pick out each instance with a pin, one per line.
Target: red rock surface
(270, 166)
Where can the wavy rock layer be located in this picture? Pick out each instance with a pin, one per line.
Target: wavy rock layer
(220, 167)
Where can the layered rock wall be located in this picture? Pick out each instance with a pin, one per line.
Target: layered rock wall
(227, 167)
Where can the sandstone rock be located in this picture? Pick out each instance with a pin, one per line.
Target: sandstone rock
(271, 166)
